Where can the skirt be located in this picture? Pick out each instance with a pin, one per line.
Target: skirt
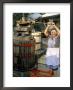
(52, 58)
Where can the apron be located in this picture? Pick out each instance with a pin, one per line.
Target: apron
(52, 55)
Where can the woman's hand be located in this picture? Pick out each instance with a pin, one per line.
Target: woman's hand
(54, 26)
(58, 31)
(51, 25)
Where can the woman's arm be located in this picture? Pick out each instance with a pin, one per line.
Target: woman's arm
(46, 30)
(58, 31)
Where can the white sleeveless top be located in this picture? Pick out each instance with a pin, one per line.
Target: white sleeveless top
(52, 43)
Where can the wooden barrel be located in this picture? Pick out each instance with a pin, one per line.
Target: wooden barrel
(24, 50)
(37, 37)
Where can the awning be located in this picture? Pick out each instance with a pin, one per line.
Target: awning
(50, 14)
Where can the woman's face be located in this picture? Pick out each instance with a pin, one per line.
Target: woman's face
(53, 33)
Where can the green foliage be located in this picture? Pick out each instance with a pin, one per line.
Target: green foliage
(16, 16)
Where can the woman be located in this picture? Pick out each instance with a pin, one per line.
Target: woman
(52, 55)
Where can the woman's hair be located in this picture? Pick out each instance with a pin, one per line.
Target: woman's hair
(52, 30)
